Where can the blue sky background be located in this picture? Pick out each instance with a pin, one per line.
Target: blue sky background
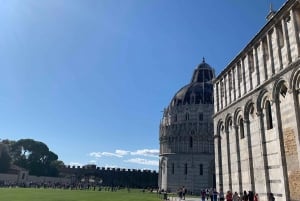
(90, 78)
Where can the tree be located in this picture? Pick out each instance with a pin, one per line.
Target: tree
(34, 156)
(5, 158)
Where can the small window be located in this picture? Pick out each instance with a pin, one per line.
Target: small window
(201, 169)
(201, 116)
(191, 142)
(185, 169)
(269, 119)
(241, 125)
(173, 168)
(283, 90)
(187, 116)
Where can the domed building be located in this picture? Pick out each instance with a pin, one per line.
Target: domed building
(186, 136)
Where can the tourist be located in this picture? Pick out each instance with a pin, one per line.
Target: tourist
(215, 195)
(245, 196)
(236, 197)
(256, 197)
(250, 196)
(228, 196)
(271, 197)
(179, 192)
(203, 195)
(183, 192)
(221, 195)
(211, 194)
(207, 194)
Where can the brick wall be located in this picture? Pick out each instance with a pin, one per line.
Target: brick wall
(290, 146)
(294, 184)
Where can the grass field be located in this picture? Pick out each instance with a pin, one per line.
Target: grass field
(30, 194)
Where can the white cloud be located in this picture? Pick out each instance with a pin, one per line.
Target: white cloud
(146, 152)
(142, 161)
(75, 164)
(111, 154)
(95, 154)
(122, 152)
(100, 154)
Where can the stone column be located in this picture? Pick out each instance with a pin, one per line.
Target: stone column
(228, 158)
(250, 155)
(256, 63)
(236, 129)
(264, 149)
(218, 161)
(281, 151)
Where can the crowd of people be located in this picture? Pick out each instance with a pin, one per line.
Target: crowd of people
(213, 195)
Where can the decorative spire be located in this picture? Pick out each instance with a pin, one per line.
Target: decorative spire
(271, 12)
(271, 7)
(203, 60)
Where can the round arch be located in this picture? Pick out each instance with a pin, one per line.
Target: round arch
(261, 99)
(228, 122)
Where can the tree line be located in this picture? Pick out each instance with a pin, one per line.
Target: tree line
(29, 154)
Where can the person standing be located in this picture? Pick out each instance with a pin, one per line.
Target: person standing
(256, 197)
(183, 192)
(211, 194)
(271, 197)
(228, 196)
(215, 195)
(203, 194)
(221, 195)
(236, 197)
(245, 196)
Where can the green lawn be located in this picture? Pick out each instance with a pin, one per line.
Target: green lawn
(31, 194)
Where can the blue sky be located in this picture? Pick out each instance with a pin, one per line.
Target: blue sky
(90, 78)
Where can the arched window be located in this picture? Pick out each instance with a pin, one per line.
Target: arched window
(173, 168)
(241, 125)
(269, 119)
(187, 116)
(201, 169)
(191, 142)
(283, 90)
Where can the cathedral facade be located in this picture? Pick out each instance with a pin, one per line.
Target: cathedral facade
(186, 136)
(257, 112)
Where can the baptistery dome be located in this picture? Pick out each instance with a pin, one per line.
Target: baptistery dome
(199, 90)
(186, 135)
